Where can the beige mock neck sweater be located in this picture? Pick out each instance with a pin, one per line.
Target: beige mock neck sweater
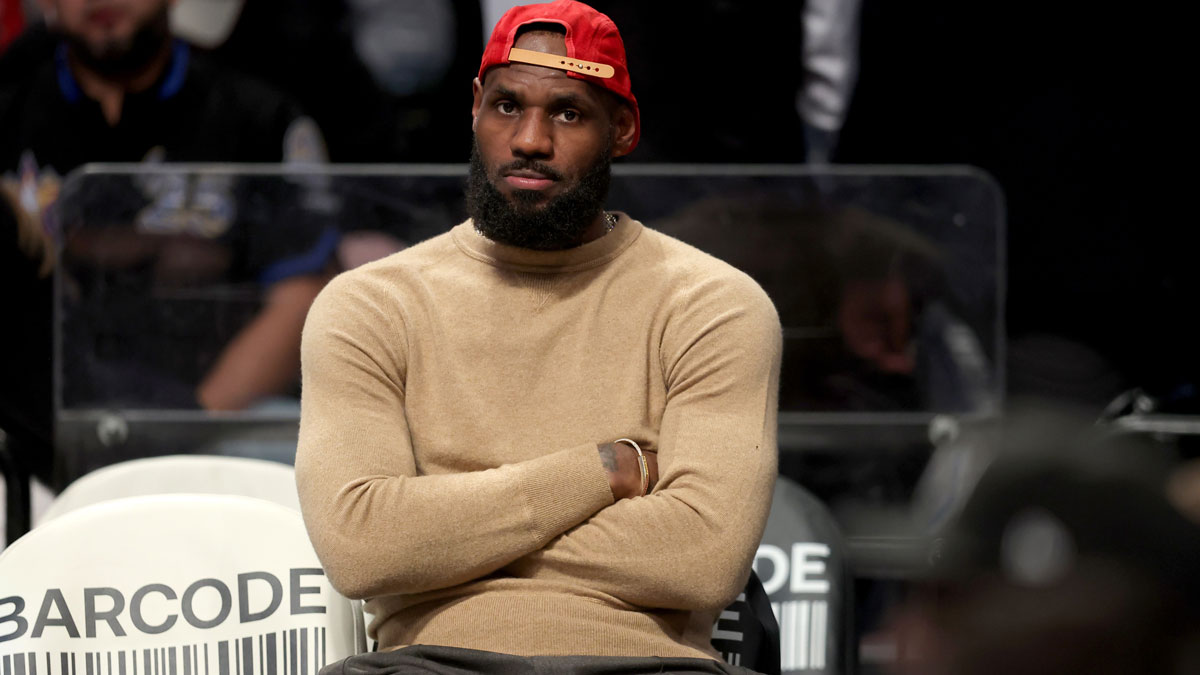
(453, 397)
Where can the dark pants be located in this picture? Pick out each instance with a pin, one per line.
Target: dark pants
(434, 660)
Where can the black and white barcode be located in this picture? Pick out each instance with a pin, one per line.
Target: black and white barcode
(803, 629)
(291, 652)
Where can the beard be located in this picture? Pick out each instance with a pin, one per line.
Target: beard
(526, 220)
(124, 57)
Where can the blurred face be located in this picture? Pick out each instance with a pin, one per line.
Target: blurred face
(543, 146)
(112, 35)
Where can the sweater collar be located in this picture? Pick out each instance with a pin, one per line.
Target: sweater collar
(591, 254)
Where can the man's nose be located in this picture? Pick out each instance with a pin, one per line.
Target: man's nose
(533, 136)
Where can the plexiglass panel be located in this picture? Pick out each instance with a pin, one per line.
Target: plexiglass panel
(888, 282)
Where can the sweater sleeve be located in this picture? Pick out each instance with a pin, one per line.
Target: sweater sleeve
(377, 525)
(689, 545)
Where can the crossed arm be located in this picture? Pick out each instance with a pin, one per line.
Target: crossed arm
(382, 528)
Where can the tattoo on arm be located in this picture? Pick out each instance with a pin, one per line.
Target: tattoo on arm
(608, 457)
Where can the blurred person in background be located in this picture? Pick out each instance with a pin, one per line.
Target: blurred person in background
(383, 79)
(118, 86)
(1100, 275)
(1074, 553)
(26, 260)
(884, 328)
(786, 71)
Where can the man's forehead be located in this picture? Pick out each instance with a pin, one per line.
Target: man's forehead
(524, 78)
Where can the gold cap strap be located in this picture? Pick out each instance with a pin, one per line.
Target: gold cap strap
(566, 63)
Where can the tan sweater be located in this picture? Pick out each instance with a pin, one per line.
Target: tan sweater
(453, 397)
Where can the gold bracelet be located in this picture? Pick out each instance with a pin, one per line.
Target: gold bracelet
(645, 469)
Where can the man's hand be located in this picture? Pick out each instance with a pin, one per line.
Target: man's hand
(624, 475)
(32, 239)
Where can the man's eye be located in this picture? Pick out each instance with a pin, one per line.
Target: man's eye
(569, 115)
(506, 107)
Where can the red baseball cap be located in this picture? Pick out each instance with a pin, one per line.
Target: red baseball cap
(595, 51)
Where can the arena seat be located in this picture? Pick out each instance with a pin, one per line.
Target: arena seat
(182, 584)
(804, 570)
(746, 633)
(16, 494)
(205, 474)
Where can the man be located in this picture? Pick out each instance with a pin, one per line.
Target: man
(118, 87)
(471, 405)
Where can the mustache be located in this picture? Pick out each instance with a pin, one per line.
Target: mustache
(531, 165)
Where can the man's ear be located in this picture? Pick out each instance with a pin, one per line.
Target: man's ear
(624, 131)
(477, 92)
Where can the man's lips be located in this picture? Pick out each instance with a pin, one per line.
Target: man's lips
(528, 180)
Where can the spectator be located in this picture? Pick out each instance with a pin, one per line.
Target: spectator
(118, 87)
(1098, 267)
(786, 73)
(382, 79)
(1068, 557)
(24, 368)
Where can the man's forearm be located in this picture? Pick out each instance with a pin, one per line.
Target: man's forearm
(264, 358)
(379, 525)
(498, 515)
(398, 534)
(686, 546)
(689, 545)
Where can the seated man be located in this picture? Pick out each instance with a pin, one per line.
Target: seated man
(476, 408)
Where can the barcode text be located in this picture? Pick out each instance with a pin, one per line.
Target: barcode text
(299, 651)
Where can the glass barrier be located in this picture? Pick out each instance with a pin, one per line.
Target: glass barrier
(888, 280)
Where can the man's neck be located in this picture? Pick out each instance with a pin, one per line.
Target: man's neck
(599, 227)
(109, 90)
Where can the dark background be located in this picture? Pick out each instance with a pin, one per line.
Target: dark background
(1071, 107)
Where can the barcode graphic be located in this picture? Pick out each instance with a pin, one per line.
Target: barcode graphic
(803, 627)
(299, 651)
(730, 617)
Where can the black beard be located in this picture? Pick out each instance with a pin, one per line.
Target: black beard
(555, 225)
(125, 58)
